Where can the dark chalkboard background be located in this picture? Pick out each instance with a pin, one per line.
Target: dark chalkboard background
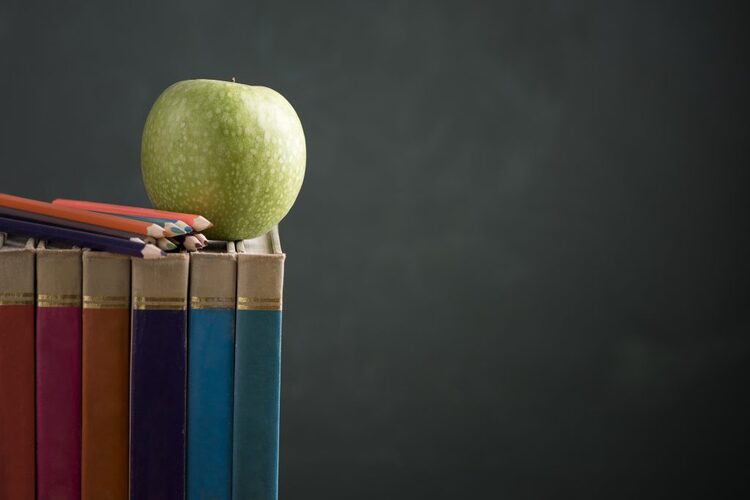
(515, 267)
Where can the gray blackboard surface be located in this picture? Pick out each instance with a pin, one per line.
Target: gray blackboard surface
(515, 267)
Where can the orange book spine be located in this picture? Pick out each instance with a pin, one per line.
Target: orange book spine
(105, 372)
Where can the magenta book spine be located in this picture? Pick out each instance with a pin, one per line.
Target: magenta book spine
(58, 374)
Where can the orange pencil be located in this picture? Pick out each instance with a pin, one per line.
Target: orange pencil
(197, 222)
(84, 216)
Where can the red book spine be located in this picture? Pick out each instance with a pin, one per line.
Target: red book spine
(17, 401)
(17, 474)
(58, 374)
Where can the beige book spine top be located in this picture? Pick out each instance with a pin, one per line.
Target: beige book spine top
(58, 277)
(260, 273)
(106, 280)
(16, 274)
(160, 283)
(213, 280)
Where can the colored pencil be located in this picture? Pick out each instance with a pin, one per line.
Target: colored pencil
(80, 238)
(165, 244)
(184, 228)
(70, 224)
(80, 215)
(174, 228)
(197, 222)
(201, 238)
(191, 243)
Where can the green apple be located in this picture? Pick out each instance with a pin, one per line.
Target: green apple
(233, 153)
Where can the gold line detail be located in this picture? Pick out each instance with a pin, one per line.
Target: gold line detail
(46, 296)
(19, 302)
(258, 304)
(56, 303)
(212, 302)
(106, 302)
(159, 299)
(159, 303)
(255, 300)
(106, 298)
(243, 307)
(156, 307)
(23, 295)
(106, 305)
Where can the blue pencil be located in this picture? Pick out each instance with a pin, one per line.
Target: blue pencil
(80, 238)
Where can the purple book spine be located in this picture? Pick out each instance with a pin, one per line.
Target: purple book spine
(157, 443)
(158, 379)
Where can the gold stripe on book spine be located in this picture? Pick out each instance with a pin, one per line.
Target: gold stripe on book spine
(105, 302)
(156, 303)
(16, 299)
(258, 304)
(212, 302)
(50, 300)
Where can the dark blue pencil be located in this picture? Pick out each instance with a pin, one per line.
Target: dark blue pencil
(80, 238)
(13, 213)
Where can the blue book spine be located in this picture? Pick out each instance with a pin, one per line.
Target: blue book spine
(257, 404)
(213, 278)
(257, 378)
(210, 385)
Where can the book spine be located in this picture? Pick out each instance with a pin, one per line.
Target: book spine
(257, 376)
(213, 281)
(58, 373)
(17, 433)
(105, 372)
(158, 364)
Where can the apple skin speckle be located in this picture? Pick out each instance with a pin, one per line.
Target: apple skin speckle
(233, 153)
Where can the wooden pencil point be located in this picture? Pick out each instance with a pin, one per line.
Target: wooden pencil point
(152, 252)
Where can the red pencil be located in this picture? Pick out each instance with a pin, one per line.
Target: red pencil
(84, 216)
(197, 222)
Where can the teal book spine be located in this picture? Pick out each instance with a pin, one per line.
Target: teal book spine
(213, 278)
(257, 376)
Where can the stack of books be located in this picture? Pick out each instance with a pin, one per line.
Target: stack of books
(130, 377)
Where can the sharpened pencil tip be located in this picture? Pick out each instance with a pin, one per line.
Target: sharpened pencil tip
(200, 223)
(157, 231)
(184, 226)
(174, 228)
(192, 244)
(165, 244)
(151, 252)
